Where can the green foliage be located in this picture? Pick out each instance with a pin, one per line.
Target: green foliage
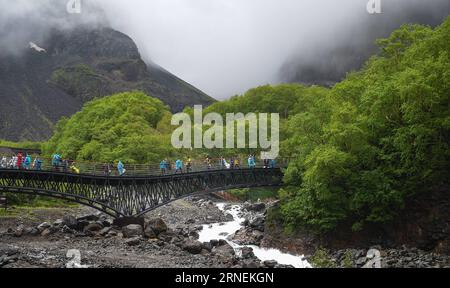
(130, 127)
(322, 259)
(347, 260)
(22, 200)
(381, 135)
(286, 99)
(24, 144)
(255, 194)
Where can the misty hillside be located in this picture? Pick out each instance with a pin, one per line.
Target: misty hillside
(354, 45)
(39, 87)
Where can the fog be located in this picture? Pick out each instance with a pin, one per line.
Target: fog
(225, 47)
(24, 21)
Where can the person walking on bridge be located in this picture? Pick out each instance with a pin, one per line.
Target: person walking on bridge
(13, 162)
(56, 161)
(273, 164)
(237, 164)
(232, 163)
(251, 162)
(208, 162)
(19, 160)
(189, 165)
(4, 163)
(121, 168)
(163, 167)
(27, 162)
(107, 169)
(37, 164)
(179, 166)
(74, 168)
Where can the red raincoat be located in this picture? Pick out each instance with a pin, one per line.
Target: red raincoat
(19, 160)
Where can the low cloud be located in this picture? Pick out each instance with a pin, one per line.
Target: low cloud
(225, 47)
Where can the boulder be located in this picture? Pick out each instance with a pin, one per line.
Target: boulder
(157, 225)
(282, 266)
(214, 243)
(43, 226)
(58, 223)
(149, 233)
(194, 235)
(247, 253)
(105, 231)
(207, 246)
(223, 249)
(222, 242)
(270, 263)
(256, 207)
(70, 221)
(192, 246)
(229, 217)
(132, 230)
(65, 229)
(90, 217)
(112, 233)
(81, 225)
(248, 236)
(32, 231)
(167, 236)
(258, 223)
(133, 241)
(93, 227)
(47, 232)
(106, 223)
(250, 264)
(19, 231)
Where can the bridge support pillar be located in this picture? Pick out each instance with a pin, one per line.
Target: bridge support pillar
(125, 221)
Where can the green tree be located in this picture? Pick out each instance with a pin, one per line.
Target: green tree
(131, 127)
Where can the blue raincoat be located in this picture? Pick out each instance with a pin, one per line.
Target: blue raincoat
(121, 168)
(179, 164)
(27, 162)
(251, 162)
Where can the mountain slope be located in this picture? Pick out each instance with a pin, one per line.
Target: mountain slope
(38, 88)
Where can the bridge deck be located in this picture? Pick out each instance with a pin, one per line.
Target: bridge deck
(131, 195)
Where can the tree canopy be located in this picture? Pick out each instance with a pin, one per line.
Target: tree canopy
(380, 137)
(131, 127)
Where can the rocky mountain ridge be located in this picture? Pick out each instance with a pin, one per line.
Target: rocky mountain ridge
(43, 84)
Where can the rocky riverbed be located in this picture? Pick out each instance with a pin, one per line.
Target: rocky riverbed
(167, 240)
(317, 252)
(170, 238)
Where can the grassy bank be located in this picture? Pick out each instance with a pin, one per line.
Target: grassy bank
(23, 145)
(255, 194)
(26, 202)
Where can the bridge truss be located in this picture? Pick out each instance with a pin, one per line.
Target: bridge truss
(132, 196)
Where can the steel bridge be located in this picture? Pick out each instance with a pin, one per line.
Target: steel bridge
(132, 196)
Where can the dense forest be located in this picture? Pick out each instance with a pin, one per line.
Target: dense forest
(380, 135)
(356, 150)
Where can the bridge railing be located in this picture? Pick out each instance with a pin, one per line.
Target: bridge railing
(91, 168)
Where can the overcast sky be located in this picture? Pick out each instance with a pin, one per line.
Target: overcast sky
(225, 47)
